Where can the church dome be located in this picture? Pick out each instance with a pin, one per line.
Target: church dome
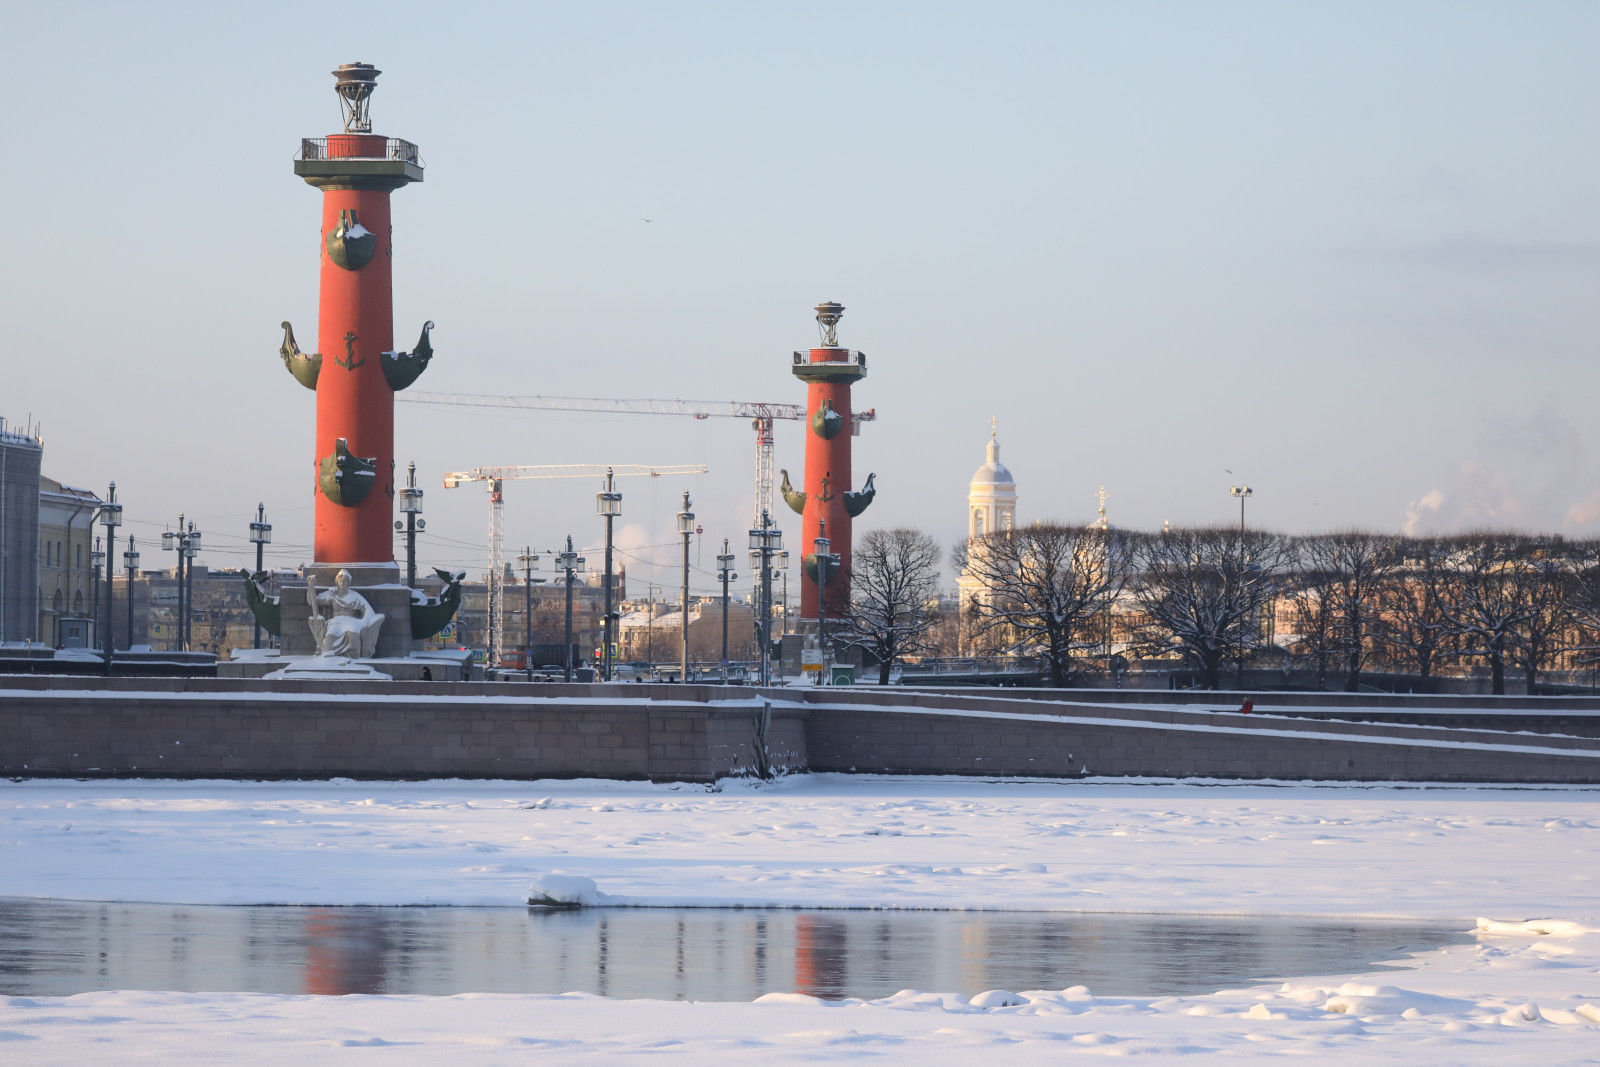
(993, 472)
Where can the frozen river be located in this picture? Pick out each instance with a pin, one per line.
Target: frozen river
(1485, 898)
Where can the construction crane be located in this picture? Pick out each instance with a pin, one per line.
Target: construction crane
(761, 416)
(492, 477)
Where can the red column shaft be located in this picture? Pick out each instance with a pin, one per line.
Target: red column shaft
(355, 324)
(827, 479)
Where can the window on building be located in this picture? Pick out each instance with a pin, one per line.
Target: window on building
(977, 523)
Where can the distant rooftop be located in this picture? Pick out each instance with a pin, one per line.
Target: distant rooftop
(11, 437)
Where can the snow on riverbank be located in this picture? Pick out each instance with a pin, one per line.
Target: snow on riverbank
(1523, 989)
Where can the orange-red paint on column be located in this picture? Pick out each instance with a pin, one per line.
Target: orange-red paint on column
(827, 480)
(355, 326)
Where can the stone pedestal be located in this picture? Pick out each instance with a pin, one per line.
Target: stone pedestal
(378, 582)
(328, 668)
(434, 665)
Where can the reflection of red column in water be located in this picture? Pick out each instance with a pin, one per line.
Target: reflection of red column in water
(344, 953)
(819, 956)
(323, 973)
(825, 494)
(357, 372)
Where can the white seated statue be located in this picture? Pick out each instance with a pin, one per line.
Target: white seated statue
(350, 627)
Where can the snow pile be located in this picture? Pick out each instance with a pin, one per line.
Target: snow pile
(1558, 928)
(564, 891)
(1374, 1001)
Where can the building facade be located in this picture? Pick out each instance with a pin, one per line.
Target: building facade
(652, 631)
(70, 566)
(20, 457)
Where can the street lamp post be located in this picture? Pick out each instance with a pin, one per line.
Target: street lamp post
(186, 542)
(170, 542)
(569, 561)
(608, 503)
(260, 536)
(110, 518)
(783, 568)
(686, 528)
(825, 560)
(783, 565)
(411, 506)
(1242, 492)
(725, 573)
(527, 559)
(766, 541)
(191, 549)
(97, 559)
(130, 563)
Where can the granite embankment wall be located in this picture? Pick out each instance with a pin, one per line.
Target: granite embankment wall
(208, 728)
(1577, 715)
(957, 733)
(253, 729)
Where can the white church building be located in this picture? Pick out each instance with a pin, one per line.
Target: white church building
(991, 504)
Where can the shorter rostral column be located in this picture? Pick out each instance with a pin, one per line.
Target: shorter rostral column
(825, 496)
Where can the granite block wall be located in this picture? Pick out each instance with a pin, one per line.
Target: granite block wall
(253, 729)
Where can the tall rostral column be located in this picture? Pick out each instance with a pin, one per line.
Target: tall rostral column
(355, 371)
(825, 496)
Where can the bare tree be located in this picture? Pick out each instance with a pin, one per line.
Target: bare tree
(1354, 563)
(1583, 591)
(1489, 603)
(894, 581)
(1309, 589)
(1042, 584)
(944, 636)
(1549, 562)
(1583, 598)
(1413, 626)
(1203, 592)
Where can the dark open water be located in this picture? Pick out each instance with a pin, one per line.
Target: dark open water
(54, 948)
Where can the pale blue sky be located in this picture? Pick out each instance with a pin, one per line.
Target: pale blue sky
(1346, 251)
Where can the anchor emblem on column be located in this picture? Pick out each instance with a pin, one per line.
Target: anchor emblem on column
(349, 362)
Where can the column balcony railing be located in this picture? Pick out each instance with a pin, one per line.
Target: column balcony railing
(316, 149)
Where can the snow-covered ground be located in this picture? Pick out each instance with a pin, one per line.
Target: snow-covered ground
(1525, 860)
